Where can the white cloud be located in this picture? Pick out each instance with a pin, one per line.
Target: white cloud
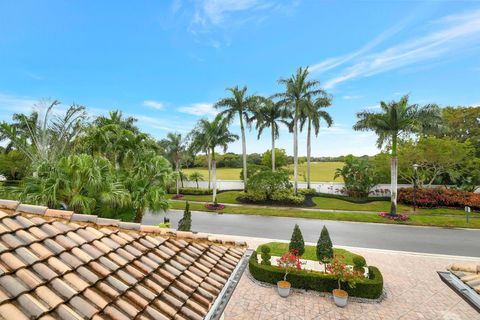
(199, 109)
(453, 33)
(18, 104)
(351, 97)
(153, 104)
(216, 12)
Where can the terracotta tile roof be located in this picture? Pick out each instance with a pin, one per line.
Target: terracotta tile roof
(61, 265)
(467, 273)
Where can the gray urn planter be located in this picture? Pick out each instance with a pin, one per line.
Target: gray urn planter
(283, 288)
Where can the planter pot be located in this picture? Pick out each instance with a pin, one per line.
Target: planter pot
(340, 297)
(283, 288)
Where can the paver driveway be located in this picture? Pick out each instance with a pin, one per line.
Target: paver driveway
(414, 291)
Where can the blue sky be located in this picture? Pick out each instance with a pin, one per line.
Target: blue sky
(166, 62)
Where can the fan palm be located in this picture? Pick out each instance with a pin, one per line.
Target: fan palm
(298, 89)
(397, 119)
(196, 176)
(268, 115)
(241, 105)
(311, 116)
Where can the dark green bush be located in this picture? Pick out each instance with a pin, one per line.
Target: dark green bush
(185, 224)
(324, 246)
(195, 191)
(251, 197)
(287, 197)
(265, 255)
(359, 263)
(296, 242)
(370, 288)
(268, 182)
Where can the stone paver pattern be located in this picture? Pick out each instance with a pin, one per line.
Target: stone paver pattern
(414, 291)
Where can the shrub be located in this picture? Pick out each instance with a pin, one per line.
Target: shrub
(195, 191)
(287, 197)
(164, 225)
(185, 224)
(370, 288)
(359, 263)
(324, 246)
(251, 197)
(267, 182)
(265, 255)
(307, 192)
(177, 196)
(253, 169)
(296, 242)
(358, 176)
(397, 217)
(440, 197)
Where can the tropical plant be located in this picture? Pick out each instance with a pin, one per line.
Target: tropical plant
(269, 115)
(268, 182)
(214, 134)
(82, 182)
(311, 115)
(358, 176)
(44, 138)
(185, 224)
(342, 272)
(298, 89)
(297, 244)
(14, 165)
(324, 246)
(280, 158)
(290, 261)
(241, 105)
(196, 176)
(146, 176)
(175, 149)
(398, 119)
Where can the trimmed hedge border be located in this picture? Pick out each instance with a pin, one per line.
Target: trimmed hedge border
(351, 199)
(195, 191)
(371, 288)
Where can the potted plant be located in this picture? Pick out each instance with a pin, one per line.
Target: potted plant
(342, 273)
(289, 261)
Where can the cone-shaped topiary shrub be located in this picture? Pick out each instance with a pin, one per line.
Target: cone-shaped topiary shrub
(265, 255)
(296, 243)
(324, 246)
(185, 224)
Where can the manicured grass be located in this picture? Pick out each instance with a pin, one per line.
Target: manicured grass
(439, 221)
(334, 204)
(222, 173)
(320, 171)
(279, 248)
(222, 197)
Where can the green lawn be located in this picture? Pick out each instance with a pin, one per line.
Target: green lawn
(279, 248)
(334, 204)
(439, 221)
(320, 171)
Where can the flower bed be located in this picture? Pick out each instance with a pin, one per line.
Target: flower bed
(440, 197)
(213, 206)
(370, 288)
(178, 196)
(397, 217)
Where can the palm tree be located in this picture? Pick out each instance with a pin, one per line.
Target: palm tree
(146, 177)
(312, 114)
(268, 115)
(242, 106)
(213, 134)
(397, 119)
(298, 89)
(196, 176)
(82, 182)
(175, 149)
(46, 138)
(199, 142)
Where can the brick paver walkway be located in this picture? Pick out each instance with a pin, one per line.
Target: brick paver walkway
(414, 291)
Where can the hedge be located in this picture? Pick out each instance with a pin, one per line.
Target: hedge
(370, 288)
(440, 197)
(195, 191)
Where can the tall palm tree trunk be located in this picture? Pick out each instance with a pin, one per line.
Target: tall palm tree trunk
(295, 149)
(309, 150)
(393, 177)
(273, 148)
(209, 164)
(214, 173)
(177, 168)
(244, 151)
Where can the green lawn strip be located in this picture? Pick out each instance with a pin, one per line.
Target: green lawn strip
(279, 248)
(439, 221)
(334, 204)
